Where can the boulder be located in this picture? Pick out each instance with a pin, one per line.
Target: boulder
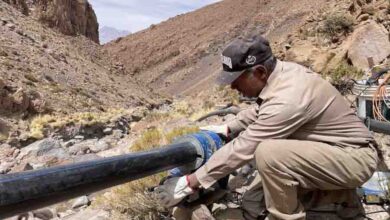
(47, 147)
(368, 40)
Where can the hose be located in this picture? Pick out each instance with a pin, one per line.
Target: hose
(221, 112)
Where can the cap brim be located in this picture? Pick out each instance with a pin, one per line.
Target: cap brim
(226, 78)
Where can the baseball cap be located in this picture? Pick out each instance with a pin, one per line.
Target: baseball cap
(241, 54)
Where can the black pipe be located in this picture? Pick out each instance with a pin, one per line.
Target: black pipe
(377, 126)
(30, 190)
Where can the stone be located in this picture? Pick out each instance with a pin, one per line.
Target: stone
(79, 148)
(44, 214)
(80, 202)
(2, 84)
(10, 26)
(79, 137)
(107, 131)
(99, 146)
(369, 40)
(46, 147)
(5, 167)
(363, 17)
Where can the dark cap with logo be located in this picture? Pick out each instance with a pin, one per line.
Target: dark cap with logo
(241, 54)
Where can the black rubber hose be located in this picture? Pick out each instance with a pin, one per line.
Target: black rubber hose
(230, 110)
(377, 126)
(30, 190)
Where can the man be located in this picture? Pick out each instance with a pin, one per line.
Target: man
(309, 146)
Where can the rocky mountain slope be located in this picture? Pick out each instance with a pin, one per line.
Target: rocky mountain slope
(68, 16)
(45, 72)
(108, 34)
(175, 54)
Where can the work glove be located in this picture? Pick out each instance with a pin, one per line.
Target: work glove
(173, 191)
(219, 129)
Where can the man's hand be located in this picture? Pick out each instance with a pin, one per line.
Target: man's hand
(219, 129)
(173, 191)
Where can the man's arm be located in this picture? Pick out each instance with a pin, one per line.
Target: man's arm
(274, 121)
(243, 119)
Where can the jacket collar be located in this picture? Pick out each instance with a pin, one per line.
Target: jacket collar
(272, 80)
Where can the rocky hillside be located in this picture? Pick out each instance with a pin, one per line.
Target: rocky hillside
(108, 34)
(67, 16)
(175, 54)
(45, 72)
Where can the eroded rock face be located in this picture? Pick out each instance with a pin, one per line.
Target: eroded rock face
(19, 4)
(369, 40)
(71, 17)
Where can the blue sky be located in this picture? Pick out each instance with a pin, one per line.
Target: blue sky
(135, 15)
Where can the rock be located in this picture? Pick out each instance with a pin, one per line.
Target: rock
(44, 214)
(21, 101)
(107, 131)
(69, 143)
(46, 147)
(79, 137)
(70, 17)
(81, 201)
(10, 26)
(5, 167)
(305, 53)
(369, 40)
(90, 214)
(363, 17)
(2, 84)
(80, 148)
(99, 146)
(21, 5)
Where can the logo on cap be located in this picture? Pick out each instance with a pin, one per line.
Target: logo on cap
(250, 60)
(227, 61)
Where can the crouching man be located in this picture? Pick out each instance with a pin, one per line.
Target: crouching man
(306, 141)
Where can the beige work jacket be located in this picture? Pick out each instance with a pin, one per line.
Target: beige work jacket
(296, 104)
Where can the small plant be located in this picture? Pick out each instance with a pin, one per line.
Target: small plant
(341, 76)
(149, 140)
(133, 200)
(337, 24)
(31, 77)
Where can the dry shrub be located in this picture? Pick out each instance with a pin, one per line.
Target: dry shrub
(40, 124)
(341, 76)
(149, 140)
(337, 24)
(133, 200)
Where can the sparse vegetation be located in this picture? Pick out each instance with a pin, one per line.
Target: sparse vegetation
(31, 77)
(341, 76)
(134, 199)
(40, 125)
(337, 24)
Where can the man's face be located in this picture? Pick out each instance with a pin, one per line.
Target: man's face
(251, 82)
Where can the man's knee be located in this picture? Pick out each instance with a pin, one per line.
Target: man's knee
(270, 153)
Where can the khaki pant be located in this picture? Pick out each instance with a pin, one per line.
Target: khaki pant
(297, 175)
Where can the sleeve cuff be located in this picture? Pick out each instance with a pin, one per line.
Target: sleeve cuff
(234, 127)
(204, 178)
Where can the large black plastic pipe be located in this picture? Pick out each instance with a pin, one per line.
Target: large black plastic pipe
(26, 191)
(377, 126)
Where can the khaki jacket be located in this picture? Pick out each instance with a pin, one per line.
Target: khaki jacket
(296, 104)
